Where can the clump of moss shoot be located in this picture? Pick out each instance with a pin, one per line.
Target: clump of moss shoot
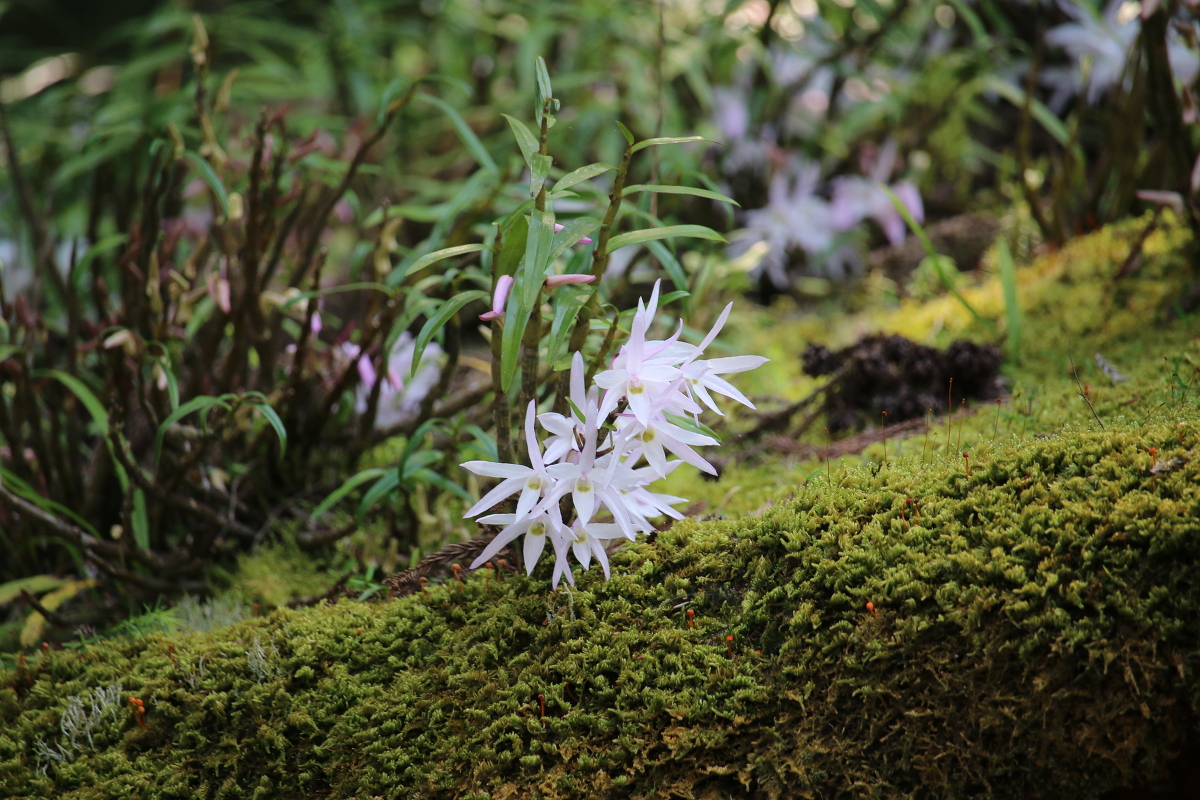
(1034, 631)
(899, 629)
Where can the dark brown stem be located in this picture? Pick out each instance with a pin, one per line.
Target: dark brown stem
(182, 502)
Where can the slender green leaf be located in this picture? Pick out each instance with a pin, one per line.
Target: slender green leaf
(24, 490)
(209, 177)
(439, 318)
(706, 193)
(200, 315)
(650, 234)
(86, 396)
(692, 425)
(579, 176)
(478, 151)
(350, 484)
(625, 132)
(263, 406)
(389, 96)
(422, 458)
(381, 488)
(642, 145)
(487, 444)
(417, 440)
(163, 361)
(477, 186)
(201, 403)
(1047, 118)
(545, 92)
(567, 302)
(670, 264)
(512, 249)
(438, 255)
(431, 213)
(931, 254)
(432, 478)
(539, 171)
(96, 250)
(978, 29)
(524, 299)
(571, 234)
(525, 139)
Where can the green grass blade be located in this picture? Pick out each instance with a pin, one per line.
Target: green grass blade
(439, 318)
(350, 484)
(209, 177)
(651, 234)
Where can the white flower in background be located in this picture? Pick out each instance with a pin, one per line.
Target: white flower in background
(794, 218)
(599, 475)
(857, 198)
(1104, 42)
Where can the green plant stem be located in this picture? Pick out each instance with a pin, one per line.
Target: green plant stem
(600, 256)
(531, 340)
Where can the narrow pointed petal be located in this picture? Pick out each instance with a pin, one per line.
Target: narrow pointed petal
(689, 455)
(585, 502)
(583, 553)
(716, 328)
(504, 490)
(722, 386)
(534, 544)
(601, 556)
(490, 469)
(724, 366)
(535, 450)
(499, 543)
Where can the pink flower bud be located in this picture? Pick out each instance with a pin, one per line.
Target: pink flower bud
(503, 286)
(564, 280)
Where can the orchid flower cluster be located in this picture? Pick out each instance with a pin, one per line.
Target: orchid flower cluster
(625, 431)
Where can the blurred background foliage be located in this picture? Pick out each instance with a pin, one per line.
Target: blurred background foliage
(153, 147)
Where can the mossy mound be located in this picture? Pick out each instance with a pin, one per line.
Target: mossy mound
(1036, 633)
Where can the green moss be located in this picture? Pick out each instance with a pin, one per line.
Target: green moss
(276, 573)
(1036, 631)
(1037, 634)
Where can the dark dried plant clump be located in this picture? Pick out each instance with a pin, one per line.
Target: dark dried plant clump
(906, 380)
(172, 395)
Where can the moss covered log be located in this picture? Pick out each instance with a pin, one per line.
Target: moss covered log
(1036, 632)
